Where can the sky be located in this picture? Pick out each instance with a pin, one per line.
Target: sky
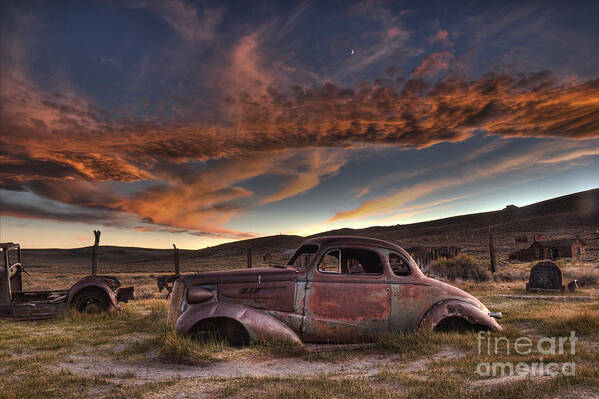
(199, 123)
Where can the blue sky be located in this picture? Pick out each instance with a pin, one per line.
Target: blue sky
(205, 122)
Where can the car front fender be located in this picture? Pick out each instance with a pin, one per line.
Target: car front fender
(257, 323)
(460, 309)
(91, 282)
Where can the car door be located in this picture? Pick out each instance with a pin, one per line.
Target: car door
(347, 296)
(410, 296)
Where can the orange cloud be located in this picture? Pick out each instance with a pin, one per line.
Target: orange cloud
(441, 36)
(52, 141)
(433, 64)
(318, 164)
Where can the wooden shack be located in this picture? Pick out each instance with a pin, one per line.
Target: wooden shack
(551, 249)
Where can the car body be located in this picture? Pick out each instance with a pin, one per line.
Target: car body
(90, 294)
(334, 290)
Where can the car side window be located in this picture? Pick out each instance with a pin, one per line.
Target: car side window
(351, 261)
(354, 266)
(360, 261)
(330, 263)
(399, 266)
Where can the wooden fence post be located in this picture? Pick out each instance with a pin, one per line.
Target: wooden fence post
(95, 252)
(493, 264)
(176, 259)
(249, 257)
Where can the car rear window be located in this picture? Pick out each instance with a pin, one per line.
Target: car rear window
(303, 255)
(399, 266)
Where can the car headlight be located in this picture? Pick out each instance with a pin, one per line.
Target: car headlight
(199, 295)
(496, 315)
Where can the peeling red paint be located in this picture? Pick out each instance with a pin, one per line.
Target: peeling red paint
(341, 304)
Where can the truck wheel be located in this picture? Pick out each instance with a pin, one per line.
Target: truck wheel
(91, 301)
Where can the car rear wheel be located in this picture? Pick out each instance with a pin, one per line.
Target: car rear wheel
(221, 329)
(91, 301)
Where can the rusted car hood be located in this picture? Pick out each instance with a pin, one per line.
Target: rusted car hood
(263, 274)
(450, 290)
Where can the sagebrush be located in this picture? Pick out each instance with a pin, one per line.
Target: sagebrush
(463, 267)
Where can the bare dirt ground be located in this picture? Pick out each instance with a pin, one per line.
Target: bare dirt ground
(362, 365)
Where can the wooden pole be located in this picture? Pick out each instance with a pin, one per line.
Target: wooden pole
(249, 257)
(493, 264)
(95, 252)
(176, 260)
(174, 308)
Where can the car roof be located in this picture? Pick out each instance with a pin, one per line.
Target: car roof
(351, 240)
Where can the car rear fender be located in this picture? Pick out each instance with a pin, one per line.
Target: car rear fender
(257, 323)
(91, 283)
(457, 309)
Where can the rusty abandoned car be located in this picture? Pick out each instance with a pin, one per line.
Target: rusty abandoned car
(351, 290)
(90, 294)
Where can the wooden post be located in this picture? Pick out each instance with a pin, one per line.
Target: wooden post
(493, 264)
(174, 307)
(249, 257)
(95, 252)
(176, 260)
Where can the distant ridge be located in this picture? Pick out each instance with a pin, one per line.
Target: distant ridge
(565, 216)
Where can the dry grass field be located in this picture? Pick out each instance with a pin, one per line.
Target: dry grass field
(132, 354)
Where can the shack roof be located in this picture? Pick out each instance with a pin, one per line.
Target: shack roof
(562, 242)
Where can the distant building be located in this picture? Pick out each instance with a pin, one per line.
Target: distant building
(267, 257)
(551, 249)
(521, 239)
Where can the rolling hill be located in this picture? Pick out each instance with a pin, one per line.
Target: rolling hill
(566, 216)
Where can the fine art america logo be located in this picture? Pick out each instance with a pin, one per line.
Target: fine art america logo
(545, 346)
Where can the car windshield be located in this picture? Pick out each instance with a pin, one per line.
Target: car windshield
(303, 256)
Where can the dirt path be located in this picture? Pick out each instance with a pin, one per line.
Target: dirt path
(282, 367)
(151, 371)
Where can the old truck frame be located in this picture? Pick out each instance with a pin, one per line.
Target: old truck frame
(90, 294)
(333, 290)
